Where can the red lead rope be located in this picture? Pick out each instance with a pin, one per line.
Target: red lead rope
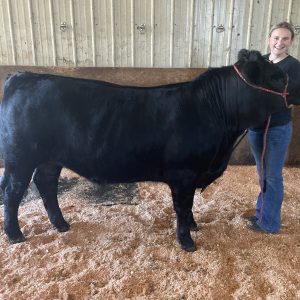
(261, 175)
(284, 94)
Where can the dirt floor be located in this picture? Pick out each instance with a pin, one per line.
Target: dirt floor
(122, 244)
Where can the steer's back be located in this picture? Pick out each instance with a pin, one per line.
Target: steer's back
(102, 131)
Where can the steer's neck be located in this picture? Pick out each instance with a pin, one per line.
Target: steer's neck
(255, 106)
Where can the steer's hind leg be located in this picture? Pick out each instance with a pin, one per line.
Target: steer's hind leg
(46, 180)
(14, 183)
(183, 198)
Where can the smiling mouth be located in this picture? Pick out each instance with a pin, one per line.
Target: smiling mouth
(279, 48)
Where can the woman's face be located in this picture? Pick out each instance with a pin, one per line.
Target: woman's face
(280, 41)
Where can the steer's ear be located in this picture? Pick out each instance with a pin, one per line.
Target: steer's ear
(243, 55)
(246, 55)
(250, 65)
(254, 56)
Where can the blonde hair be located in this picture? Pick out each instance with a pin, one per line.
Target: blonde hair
(285, 25)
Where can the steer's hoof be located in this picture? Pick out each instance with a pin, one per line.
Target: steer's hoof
(63, 227)
(187, 244)
(189, 248)
(194, 227)
(15, 240)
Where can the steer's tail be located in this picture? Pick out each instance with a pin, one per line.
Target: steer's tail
(5, 84)
(1, 140)
(1, 122)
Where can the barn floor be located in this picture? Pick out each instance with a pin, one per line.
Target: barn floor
(126, 249)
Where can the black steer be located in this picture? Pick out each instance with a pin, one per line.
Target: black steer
(181, 134)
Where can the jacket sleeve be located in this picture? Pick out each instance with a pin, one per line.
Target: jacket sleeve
(294, 83)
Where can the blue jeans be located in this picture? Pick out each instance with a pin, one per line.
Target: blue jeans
(278, 139)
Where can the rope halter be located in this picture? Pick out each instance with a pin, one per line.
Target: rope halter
(283, 94)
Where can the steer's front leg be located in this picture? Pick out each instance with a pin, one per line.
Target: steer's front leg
(183, 202)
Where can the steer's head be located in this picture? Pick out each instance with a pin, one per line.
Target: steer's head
(262, 73)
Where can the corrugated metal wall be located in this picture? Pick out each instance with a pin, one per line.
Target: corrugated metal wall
(137, 33)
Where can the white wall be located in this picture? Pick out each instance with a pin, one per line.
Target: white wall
(104, 33)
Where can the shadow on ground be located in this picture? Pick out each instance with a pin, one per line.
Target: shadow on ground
(106, 194)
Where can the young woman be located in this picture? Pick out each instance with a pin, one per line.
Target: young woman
(279, 136)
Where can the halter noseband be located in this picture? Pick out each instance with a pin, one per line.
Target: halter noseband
(284, 94)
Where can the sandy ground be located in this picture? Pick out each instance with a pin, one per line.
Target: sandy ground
(122, 245)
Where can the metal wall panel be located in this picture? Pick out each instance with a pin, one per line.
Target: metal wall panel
(221, 32)
(7, 46)
(163, 32)
(142, 38)
(62, 12)
(295, 15)
(202, 32)
(182, 33)
(241, 28)
(123, 35)
(137, 33)
(260, 26)
(103, 32)
(42, 30)
(83, 33)
(22, 31)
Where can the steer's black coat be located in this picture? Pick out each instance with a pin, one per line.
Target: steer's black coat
(181, 134)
